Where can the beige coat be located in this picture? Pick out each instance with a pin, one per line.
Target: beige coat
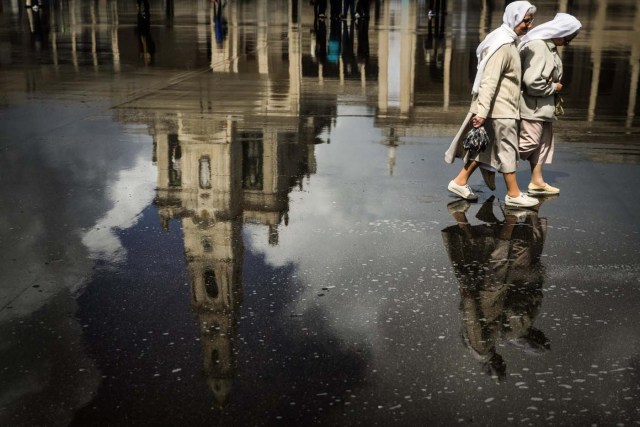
(540, 62)
(498, 98)
(499, 93)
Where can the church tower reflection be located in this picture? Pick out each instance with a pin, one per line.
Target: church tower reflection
(215, 175)
(198, 182)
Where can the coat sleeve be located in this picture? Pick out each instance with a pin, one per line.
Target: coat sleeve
(496, 65)
(536, 70)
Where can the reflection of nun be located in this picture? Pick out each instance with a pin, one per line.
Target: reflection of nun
(501, 278)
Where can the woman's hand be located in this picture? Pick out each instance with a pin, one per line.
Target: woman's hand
(477, 121)
(557, 86)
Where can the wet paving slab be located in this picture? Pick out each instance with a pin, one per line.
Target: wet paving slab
(220, 219)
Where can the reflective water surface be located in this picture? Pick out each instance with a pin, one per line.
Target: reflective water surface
(236, 214)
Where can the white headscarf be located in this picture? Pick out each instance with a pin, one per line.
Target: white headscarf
(514, 13)
(562, 25)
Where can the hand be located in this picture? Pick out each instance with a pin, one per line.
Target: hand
(558, 87)
(477, 121)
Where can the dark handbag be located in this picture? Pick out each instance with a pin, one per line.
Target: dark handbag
(476, 140)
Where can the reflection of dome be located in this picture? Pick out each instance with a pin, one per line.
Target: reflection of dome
(221, 388)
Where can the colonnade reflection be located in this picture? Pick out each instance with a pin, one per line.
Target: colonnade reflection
(413, 61)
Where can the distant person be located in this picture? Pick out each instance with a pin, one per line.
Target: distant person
(501, 276)
(495, 105)
(349, 61)
(336, 8)
(362, 9)
(319, 8)
(219, 23)
(363, 44)
(146, 44)
(540, 103)
(143, 7)
(320, 50)
(349, 7)
(333, 50)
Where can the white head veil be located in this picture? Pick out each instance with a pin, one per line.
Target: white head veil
(562, 25)
(514, 13)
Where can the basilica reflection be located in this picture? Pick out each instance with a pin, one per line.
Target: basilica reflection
(501, 276)
(214, 176)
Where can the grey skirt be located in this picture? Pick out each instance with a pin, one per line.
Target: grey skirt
(501, 153)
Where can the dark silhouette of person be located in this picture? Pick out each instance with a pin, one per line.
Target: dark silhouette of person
(362, 9)
(219, 21)
(319, 8)
(146, 44)
(321, 40)
(498, 266)
(349, 7)
(348, 54)
(363, 43)
(143, 8)
(333, 50)
(336, 6)
(169, 12)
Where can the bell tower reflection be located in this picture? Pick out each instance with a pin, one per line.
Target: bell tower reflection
(197, 183)
(213, 176)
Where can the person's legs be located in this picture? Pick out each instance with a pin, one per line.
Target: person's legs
(506, 140)
(465, 173)
(459, 185)
(512, 184)
(321, 6)
(538, 185)
(530, 145)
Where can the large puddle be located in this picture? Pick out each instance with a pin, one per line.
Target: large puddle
(242, 219)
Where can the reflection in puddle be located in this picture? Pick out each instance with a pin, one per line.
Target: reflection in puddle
(501, 280)
(247, 103)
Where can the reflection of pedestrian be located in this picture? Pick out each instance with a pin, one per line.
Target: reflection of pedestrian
(349, 7)
(363, 43)
(146, 44)
(495, 106)
(219, 22)
(362, 9)
(336, 8)
(541, 76)
(143, 7)
(319, 8)
(348, 55)
(333, 50)
(501, 278)
(321, 41)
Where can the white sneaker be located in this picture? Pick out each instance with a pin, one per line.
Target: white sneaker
(463, 191)
(522, 201)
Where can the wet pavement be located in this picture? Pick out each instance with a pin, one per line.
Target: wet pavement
(242, 219)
